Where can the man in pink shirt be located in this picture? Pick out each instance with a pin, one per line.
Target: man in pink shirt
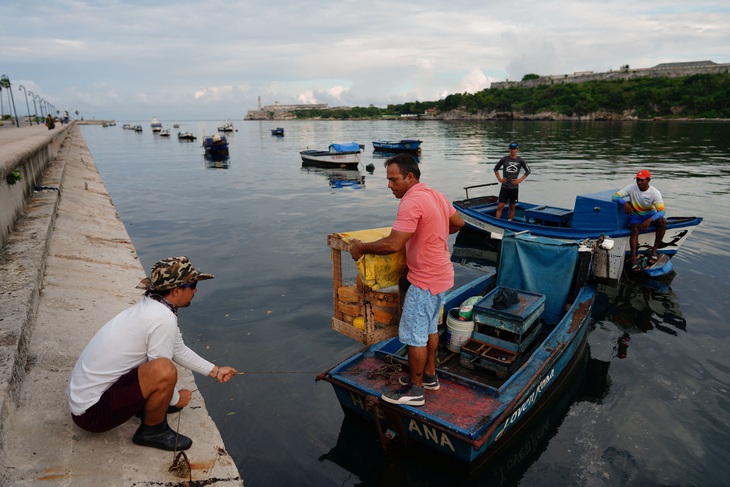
(424, 221)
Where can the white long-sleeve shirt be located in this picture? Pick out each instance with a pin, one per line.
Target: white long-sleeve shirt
(146, 331)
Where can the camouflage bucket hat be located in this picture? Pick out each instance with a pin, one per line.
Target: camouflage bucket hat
(171, 273)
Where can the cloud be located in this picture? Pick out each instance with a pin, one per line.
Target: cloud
(196, 59)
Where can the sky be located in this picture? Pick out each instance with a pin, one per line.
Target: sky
(203, 60)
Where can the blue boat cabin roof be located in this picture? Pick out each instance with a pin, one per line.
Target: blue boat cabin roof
(596, 211)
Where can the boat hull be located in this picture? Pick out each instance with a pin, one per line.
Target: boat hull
(559, 223)
(326, 159)
(215, 146)
(405, 145)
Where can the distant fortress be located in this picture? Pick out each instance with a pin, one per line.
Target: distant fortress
(278, 111)
(664, 70)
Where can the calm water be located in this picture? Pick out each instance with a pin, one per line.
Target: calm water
(652, 406)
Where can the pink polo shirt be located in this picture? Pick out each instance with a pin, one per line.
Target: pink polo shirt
(425, 213)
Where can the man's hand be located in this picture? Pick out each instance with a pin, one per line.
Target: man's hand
(225, 373)
(356, 249)
(627, 208)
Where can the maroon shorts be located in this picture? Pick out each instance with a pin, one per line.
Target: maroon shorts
(117, 405)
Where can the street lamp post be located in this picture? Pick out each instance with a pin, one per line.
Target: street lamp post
(30, 122)
(6, 83)
(41, 103)
(35, 107)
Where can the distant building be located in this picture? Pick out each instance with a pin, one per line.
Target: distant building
(277, 111)
(660, 70)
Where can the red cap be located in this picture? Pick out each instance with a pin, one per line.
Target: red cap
(643, 174)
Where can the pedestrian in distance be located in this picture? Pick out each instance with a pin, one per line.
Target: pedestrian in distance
(511, 165)
(645, 208)
(50, 123)
(128, 367)
(424, 220)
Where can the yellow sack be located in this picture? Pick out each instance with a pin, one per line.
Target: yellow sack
(378, 271)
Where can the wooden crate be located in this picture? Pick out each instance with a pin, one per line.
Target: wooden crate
(378, 310)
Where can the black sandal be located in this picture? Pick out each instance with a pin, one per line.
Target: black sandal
(653, 259)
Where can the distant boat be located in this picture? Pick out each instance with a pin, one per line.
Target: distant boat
(279, 132)
(215, 145)
(128, 126)
(176, 125)
(345, 156)
(156, 125)
(226, 127)
(165, 133)
(137, 128)
(186, 136)
(403, 145)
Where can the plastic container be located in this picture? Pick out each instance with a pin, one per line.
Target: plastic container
(457, 331)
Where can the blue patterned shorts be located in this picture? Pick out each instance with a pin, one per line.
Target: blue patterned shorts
(420, 316)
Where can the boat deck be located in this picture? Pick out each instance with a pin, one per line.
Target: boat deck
(464, 406)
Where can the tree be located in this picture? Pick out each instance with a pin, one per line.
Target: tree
(530, 76)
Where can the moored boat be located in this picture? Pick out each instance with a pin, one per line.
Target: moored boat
(279, 132)
(164, 133)
(346, 156)
(226, 127)
(513, 364)
(155, 125)
(403, 145)
(592, 215)
(186, 135)
(215, 145)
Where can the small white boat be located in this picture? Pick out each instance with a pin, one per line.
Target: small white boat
(164, 133)
(156, 125)
(186, 136)
(226, 127)
(344, 156)
(176, 125)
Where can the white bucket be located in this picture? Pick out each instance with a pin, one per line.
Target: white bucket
(457, 331)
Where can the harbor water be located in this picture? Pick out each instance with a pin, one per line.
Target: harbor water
(650, 406)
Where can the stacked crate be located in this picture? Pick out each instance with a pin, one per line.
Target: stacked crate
(363, 310)
(502, 335)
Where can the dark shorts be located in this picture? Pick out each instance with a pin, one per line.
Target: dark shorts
(116, 406)
(639, 219)
(508, 194)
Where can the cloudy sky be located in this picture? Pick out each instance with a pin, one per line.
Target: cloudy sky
(134, 59)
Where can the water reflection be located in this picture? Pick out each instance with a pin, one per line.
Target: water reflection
(387, 155)
(639, 306)
(213, 161)
(339, 178)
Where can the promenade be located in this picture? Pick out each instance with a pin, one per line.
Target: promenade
(68, 267)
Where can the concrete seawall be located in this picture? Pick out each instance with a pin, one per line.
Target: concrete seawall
(66, 268)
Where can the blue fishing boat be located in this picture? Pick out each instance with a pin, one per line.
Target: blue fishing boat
(592, 215)
(403, 145)
(512, 365)
(279, 132)
(215, 145)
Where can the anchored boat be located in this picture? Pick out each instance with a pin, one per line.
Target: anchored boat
(513, 363)
(592, 215)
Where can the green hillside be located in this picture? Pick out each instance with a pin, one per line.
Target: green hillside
(696, 96)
